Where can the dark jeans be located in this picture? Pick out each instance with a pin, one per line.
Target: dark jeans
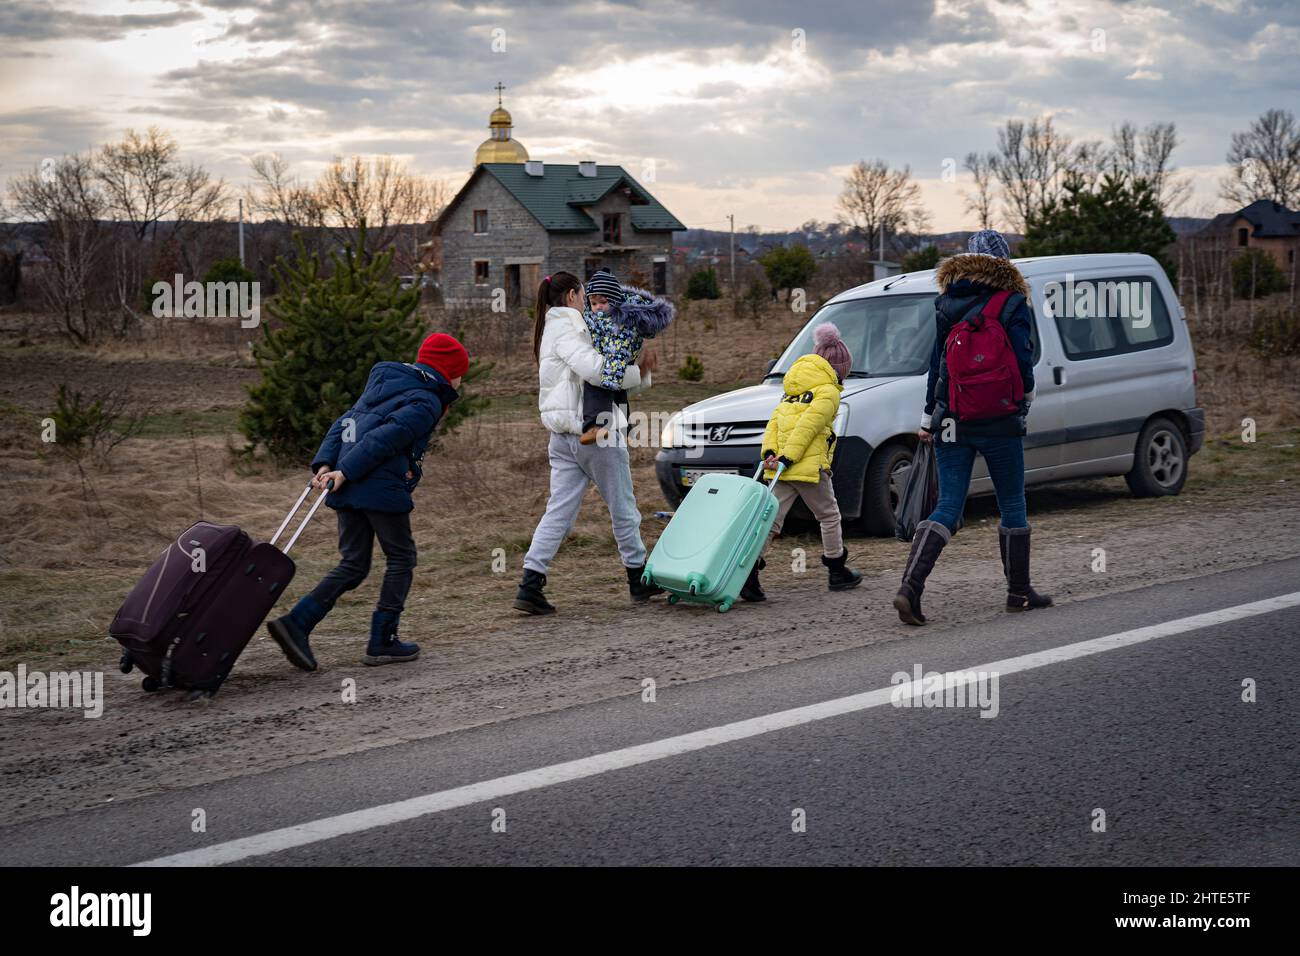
(598, 401)
(1005, 457)
(357, 533)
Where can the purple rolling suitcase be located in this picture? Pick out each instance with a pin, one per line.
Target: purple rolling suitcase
(190, 617)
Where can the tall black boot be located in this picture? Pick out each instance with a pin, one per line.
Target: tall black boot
(639, 591)
(1014, 543)
(842, 577)
(529, 597)
(752, 591)
(927, 544)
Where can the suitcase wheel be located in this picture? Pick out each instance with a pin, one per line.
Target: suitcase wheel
(724, 607)
(150, 684)
(125, 664)
(673, 598)
(197, 695)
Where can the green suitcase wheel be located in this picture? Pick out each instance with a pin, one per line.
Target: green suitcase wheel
(724, 607)
(673, 599)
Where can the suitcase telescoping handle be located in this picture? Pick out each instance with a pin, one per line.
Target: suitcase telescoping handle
(296, 505)
(758, 476)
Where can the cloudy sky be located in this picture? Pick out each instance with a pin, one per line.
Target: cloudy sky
(737, 106)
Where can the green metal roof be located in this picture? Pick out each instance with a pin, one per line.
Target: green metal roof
(555, 199)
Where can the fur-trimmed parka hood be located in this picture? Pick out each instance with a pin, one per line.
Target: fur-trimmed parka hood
(988, 271)
(642, 311)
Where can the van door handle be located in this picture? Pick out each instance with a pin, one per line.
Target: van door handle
(1058, 375)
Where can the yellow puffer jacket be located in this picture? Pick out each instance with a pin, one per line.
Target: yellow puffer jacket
(800, 428)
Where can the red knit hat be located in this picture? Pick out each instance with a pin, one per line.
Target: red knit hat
(442, 353)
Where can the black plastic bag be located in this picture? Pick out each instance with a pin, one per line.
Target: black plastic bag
(920, 495)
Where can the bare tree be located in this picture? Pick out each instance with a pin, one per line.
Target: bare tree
(64, 198)
(276, 195)
(876, 197)
(979, 200)
(144, 184)
(1264, 161)
(1031, 163)
(384, 194)
(1146, 155)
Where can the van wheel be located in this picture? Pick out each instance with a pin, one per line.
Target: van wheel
(1159, 461)
(886, 479)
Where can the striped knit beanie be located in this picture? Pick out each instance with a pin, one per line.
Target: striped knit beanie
(604, 283)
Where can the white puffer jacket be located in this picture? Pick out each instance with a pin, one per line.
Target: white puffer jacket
(567, 359)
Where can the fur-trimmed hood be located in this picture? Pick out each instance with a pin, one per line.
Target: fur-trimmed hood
(642, 311)
(986, 270)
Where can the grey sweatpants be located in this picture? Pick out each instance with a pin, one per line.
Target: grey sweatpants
(574, 466)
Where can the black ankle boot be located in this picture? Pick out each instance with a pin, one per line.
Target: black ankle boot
(752, 591)
(927, 544)
(529, 597)
(842, 577)
(639, 591)
(1014, 544)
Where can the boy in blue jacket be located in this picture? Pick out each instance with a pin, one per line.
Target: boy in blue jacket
(372, 455)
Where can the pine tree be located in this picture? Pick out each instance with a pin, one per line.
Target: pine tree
(327, 332)
(1119, 215)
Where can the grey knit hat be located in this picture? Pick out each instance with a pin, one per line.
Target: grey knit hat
(989, 242)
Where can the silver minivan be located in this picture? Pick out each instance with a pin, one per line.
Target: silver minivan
(1113, 366)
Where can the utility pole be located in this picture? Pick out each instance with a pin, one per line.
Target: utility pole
(732, 217)
(241, 233)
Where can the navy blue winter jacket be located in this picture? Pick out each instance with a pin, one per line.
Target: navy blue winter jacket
(967, 282)
(379, 441)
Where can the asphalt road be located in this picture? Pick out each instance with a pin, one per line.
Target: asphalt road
(1151, 730)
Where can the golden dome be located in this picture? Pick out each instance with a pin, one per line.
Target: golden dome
(501, 151)
(500, 147)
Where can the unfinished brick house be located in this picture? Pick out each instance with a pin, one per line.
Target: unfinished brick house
(515, 222)
(1263, 224)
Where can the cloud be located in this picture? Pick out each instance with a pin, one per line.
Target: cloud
(748, 104)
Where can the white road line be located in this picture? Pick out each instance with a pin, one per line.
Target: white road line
(327, 828)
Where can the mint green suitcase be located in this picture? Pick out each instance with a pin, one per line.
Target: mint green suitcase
(706, 552)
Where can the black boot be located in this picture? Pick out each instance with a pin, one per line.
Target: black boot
(384, 646)
(752, 591)
(639, 591)
(529, 597)
(842, 577)
(927, 544)
(1014, 544)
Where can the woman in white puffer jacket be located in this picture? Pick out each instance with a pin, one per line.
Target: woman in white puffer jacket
(565, 359)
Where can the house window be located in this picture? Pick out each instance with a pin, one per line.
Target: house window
(480, 222)
(614, 228)
(1243, 237)
(589, 268)
(480, 271)
(660, 277)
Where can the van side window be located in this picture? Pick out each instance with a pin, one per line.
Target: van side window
(1108, 315)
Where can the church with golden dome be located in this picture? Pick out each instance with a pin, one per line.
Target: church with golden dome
(500, 146)
(518, 219)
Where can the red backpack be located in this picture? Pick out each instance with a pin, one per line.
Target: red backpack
(983, 374)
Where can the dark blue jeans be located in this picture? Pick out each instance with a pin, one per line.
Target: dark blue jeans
(357, 533)
(1005, 457)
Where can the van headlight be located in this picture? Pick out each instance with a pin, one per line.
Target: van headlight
(671, 436)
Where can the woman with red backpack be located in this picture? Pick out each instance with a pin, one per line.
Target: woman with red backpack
(978, 393)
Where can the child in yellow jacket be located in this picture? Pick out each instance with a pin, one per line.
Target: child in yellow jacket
(800, 436)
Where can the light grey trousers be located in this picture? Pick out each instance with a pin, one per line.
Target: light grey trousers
(574, 466)
(820, 499)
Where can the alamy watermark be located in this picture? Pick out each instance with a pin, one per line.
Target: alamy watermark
(952, 689)
(208, 300)
(76, 690)
(1130, 299)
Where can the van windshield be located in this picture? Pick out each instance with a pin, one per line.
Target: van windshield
(887, 335)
